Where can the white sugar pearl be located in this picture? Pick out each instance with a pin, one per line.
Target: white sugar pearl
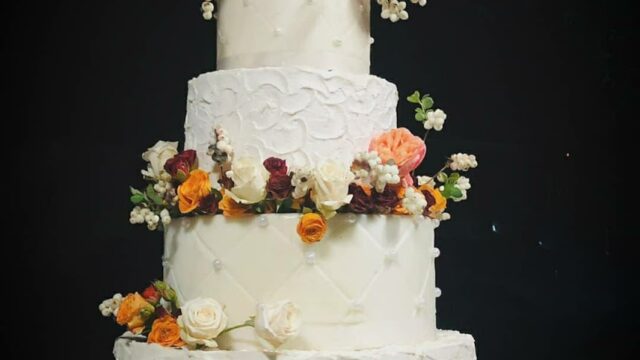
(435, 252)
(217, 264)
(310, 257)
(352, 218)
(438, 292)
(263, 220)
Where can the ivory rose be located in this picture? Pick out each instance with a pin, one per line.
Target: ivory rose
(202, 320)
(196, 187)
(278, 322)
(403, 148)
(133, 312)
(165, 332)
(331, 188)
(157, 156)
(250, 181)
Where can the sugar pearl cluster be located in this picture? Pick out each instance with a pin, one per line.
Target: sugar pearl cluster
(395, 10)
(220, 148)
(140, 215)
(435, 120)
(414, 201)
(368, 167)
(463, 162)
(207, 9)
(463, 183)
(110, 306)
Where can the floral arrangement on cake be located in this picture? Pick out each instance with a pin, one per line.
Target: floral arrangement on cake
(154, 316)
(393, 10)
(380, 180)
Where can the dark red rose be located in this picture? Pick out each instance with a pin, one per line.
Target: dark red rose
(430, 202)
(208, 204)
(276, 166)
(181, 165)
(279, 186)
(151, 294)
(385, 201)
(361, 203)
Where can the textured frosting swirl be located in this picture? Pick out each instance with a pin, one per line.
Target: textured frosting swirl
(302, 115)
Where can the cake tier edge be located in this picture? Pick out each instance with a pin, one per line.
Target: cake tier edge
(448, 345)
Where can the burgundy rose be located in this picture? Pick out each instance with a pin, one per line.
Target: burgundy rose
(276, 166)
(209, 204)
(279, 186)
(361, 203)
(430, 202)
(181, 165)
(385, 201)
(151, 294)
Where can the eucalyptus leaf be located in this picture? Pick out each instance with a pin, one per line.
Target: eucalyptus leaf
(426, 102)
(442, 177)
(420, 116)
(134, 191)
(137, 199)
(153, 195)
(453, 178)
(285, 206)
(414, 98)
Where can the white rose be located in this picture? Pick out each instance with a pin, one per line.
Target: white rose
(202, 320)
(331, 188)
(250, 180)
(278, 322)
(157, 156)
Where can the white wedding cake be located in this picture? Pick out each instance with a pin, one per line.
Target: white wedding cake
(293, 84)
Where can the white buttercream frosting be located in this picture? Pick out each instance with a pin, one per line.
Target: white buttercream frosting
(324, 34)
(302, 115)
(351, 296)
(448, 345)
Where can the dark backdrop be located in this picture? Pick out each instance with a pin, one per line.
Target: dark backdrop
(536, 265)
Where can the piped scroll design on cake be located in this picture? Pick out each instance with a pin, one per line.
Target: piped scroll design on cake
(321, 115)
(381, 180)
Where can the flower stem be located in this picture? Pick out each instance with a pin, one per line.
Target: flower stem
(248, 323)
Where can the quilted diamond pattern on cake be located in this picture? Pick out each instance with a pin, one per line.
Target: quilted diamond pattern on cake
(274, 252)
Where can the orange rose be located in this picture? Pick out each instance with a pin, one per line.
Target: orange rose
(196, 187)
(131, 310)
(400, 210)
(436, 203)
(312, 228)
(166, 332)
(400, 145)
(230, 208)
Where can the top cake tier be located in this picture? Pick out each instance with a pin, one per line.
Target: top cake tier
(322, 34)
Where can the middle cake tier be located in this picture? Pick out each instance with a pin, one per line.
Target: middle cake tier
(304, 116)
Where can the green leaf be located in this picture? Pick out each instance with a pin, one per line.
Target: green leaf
(453, 178)
(456, 193)
(420, 115)
(414, 98)
(450, 191)
(285, 206)
(426, 102)
(134, 191)
(442, 177)
(153, 195)
(137, 199)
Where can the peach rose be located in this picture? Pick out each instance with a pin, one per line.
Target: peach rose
(312, 228)
(231, 208)
(196, 187)
(403, 148)
(131, 312)
(166, 332)
(436, 203)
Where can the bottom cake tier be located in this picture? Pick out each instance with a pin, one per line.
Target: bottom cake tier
(448, 345)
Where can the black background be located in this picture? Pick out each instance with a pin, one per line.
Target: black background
(536, 265)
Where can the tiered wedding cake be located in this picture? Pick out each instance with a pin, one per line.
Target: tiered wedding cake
(293, 84)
